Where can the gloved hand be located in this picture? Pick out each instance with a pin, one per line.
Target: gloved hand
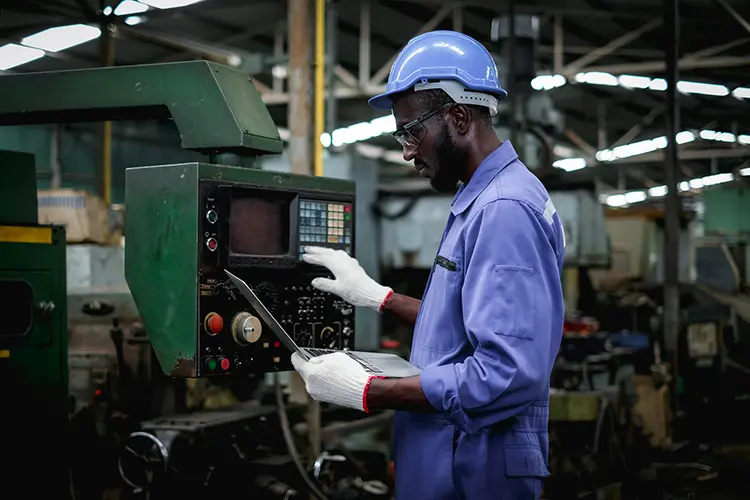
(335, 378)
(352, 282)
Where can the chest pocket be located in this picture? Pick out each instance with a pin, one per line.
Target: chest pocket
(441, 326)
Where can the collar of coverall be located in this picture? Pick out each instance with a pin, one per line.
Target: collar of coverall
(487, 170)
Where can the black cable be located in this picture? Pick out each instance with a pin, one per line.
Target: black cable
(403, 212)
(287, 432)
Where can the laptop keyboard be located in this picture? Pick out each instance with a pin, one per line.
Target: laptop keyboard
(320, 352)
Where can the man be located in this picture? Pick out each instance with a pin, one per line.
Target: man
(473, 424)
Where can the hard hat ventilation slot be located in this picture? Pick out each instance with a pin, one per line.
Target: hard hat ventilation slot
(460, 94)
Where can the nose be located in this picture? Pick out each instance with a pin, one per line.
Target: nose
(409, 153)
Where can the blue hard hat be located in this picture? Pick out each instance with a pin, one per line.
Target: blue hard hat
(450, 60)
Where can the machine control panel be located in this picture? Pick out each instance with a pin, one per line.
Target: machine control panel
(325, 224)
(259, 236)
(235, 340)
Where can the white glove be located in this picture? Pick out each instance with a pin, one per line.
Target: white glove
(335, 378)
(352, 282)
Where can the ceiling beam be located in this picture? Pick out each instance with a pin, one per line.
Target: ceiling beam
(430, 25)
(716, 49)
(596, 54)
(734, 14)
(690, 154)
(638, 127)
(660, 66)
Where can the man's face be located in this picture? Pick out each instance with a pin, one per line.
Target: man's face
(436, 156)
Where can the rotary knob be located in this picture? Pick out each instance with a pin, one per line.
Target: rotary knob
(246, 328)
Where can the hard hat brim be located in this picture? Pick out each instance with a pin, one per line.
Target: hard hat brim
(384, 101)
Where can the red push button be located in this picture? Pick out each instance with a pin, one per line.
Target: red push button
(211, 243)
(214, 323)
(224, 364)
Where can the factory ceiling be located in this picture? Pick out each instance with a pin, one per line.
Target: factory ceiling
(609, 53)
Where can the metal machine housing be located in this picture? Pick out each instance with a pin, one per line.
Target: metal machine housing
(176, 253)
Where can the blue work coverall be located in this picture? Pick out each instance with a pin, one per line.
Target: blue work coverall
(486, 336)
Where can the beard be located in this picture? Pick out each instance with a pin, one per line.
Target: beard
(450, 163)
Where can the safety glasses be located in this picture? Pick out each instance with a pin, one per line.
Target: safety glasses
(411, 134)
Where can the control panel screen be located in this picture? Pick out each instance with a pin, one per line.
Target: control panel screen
(326, 224)
(260, 226)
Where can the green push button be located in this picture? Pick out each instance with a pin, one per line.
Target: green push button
(211, 216)
(212, 364)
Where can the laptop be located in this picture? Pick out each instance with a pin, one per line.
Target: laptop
(375, 363)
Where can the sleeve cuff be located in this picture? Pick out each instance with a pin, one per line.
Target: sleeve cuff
(441, 390)
(385, 300)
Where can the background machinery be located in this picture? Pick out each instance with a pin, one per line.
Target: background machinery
(185, 224)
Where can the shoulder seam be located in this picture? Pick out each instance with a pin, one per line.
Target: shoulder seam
(512, 200)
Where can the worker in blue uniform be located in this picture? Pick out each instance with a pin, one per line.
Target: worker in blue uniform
(473, 424)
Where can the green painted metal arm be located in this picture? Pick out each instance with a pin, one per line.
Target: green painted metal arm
(216, 109)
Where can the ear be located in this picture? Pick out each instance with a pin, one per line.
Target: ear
(461, 116)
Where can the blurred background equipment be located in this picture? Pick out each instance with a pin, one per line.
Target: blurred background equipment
(33, 347)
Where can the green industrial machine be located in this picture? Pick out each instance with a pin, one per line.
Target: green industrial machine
(186, 224)
(33, 338)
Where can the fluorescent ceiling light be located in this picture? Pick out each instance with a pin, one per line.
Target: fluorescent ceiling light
(659, 84)
(597, 78)
(745, 171)
(712, 180)
(702, 88)
(361, 131)
(657, 191)
(570, 164)
(616, 200)
(712, 135)
(62, 37)
(635, 196)
(684, 137)
(744, 139)
(627, 198)
(133, 20)
(634, 82)
(385, 124)
(169, 4)
(548, 82)
(12, 55)
(741, 93)
(632, 149)
(130, 7)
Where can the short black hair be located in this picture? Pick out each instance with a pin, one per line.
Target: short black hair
(433, 98)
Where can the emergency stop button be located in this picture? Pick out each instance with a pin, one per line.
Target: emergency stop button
(213, 323)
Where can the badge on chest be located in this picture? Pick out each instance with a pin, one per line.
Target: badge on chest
(445, 263)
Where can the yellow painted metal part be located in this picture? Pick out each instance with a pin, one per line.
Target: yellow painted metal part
(320, 22)
(22, 234)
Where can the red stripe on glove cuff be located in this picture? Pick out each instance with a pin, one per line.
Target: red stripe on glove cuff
(364, 393)
(388, 296)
